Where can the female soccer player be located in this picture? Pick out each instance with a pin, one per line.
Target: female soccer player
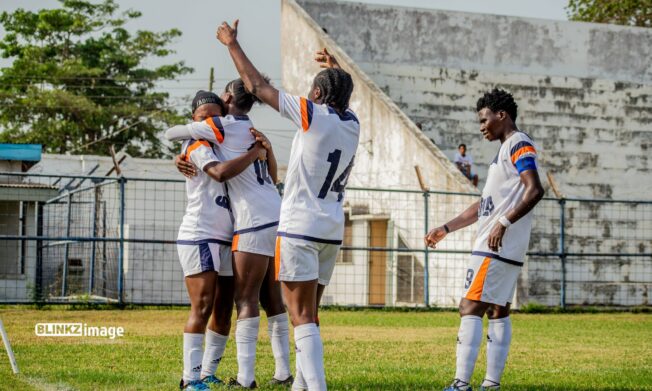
(255, 205)
(311, 225)
(204, 240)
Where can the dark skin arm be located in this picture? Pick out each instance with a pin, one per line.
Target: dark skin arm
(531, 197)
(272, 166)
(464, 219)
(252, 79)
(223, 171)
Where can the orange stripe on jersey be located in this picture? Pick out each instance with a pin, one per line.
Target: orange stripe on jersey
(234, 243)
(194, 146)
(475, 291)
(218, 134)
(521, 152)
(277, 258)
(305, 121)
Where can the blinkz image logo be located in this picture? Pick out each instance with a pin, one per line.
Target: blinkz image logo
(77, 330)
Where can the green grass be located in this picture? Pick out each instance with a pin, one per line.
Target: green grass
(365, 350)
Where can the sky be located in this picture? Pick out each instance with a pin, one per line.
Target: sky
(259, 34)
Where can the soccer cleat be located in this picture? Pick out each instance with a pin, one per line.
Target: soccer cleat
(286, 382)
(233, 383)
(195, 385)
(459, 385)
(212, 379)
(492, 387)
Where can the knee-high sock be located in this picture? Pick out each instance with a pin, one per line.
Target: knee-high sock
(299, 382)
(279, 335)
(213, 351)
(192, 356)
(310, 354)
(246, 336)
(469, 339)
(498, 341)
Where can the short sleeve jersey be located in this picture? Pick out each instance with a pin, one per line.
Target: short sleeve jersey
(501, 193)
(321, 159)
(208, 213)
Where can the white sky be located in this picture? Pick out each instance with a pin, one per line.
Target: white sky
(260, 35)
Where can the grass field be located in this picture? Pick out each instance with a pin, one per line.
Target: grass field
(365, 350)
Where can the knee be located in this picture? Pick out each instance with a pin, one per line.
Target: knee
(203, 308)
(246, 301)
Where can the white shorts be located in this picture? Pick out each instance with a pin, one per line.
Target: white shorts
(257, 240)
(490, 280)
(198, 256)
(304, 260)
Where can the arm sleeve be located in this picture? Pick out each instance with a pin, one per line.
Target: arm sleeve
(178, 132)
(524, 156)
(201, 154)
(296, 109)
(210, 129)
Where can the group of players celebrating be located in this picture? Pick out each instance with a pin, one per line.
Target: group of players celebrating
(239, 242)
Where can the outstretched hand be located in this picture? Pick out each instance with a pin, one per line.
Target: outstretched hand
(260, 137)
(435, 236)
(325, 59)
(227, 34)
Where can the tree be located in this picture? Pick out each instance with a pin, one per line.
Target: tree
(78, 82)
(625, 12)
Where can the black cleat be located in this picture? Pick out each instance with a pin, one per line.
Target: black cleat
(233, 383)
(286, 382)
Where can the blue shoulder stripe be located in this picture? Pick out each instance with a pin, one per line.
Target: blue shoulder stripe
(519, 146)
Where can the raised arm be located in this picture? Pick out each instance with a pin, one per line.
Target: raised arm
(464, 219)
(253, 80)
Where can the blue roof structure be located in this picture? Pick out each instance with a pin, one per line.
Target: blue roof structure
(21, 152)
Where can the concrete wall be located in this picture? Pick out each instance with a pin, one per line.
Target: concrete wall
(582, 88)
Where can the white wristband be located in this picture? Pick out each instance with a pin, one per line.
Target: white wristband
(504, 221)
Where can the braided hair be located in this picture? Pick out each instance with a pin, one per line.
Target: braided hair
(498, 100)
(242, 98)
(336, 87)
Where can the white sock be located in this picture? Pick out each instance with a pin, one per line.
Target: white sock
(499, 338)
(310, 354)
(299, 382)
(279, 335)
(192, 355)
(469, 339)
(246, 336)
(215, 344)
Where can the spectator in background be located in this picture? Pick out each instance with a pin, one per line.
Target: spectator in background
(464, 162)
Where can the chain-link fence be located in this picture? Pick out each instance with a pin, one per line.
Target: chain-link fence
(76, 239)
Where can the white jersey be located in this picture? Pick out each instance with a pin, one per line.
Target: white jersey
(501, 193)
(208, 217)
(255, 202)
(321, 160)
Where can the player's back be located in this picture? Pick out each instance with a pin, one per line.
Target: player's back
(321, 160)
(254, 199)
(208, 211)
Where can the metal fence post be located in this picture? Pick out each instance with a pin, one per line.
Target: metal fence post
(562, 251)
(426, 266)
(38, 278)
(91, 277)
(64, 285)
(122, 240)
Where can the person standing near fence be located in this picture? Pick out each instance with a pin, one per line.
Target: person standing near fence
(256, 206)
(504, 216)
(204, 242)
(311, 226)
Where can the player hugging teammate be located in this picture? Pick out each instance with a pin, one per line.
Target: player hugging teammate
(231, 170)
(504, 216)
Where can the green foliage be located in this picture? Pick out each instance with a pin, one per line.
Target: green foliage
(625, 12)
(78, 81)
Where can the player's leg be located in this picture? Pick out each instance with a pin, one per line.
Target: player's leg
(299, 381)
(219, 326)
(277, 326)
(472, 308)
(201, 288)
(249, 272)
(499, 337)
(502, 279)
